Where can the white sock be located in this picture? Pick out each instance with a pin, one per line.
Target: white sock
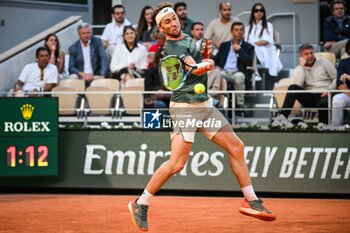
(145, 198)
(249, 193)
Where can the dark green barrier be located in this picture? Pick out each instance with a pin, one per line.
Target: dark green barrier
(278, 162)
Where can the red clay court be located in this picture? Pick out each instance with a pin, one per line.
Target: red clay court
(109, 213)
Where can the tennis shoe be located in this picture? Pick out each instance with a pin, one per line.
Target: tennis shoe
(257, 210)
(139, 215)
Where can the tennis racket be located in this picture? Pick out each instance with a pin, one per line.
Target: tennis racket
(173, 72)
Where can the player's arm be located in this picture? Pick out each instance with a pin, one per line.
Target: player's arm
(202, 70)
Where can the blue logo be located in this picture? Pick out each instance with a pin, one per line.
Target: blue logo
(152, 119)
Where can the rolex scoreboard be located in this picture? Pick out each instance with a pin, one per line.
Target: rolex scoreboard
(28, 136)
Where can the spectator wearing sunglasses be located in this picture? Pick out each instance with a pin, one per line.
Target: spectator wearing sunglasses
(37, 77)
(259, 33)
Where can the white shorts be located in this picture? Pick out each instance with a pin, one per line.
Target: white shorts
(189, 117)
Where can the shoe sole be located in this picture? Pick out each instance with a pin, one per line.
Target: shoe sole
(131, 210)
(256, 214)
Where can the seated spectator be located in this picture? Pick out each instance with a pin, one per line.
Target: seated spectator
(154, 83)
(180, 9)
(214, 84)
(314, 74)
(160, 42)
(233, 58)
(214, 77)
(336, 28)
(146, 27)
(218, 29)
(129, 59)
(197, 33)
(113, 33)
(342, 100)
(56, 53)
(259, 33)
(87, 57)
(37, 77)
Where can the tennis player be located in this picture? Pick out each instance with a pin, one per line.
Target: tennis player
(178, 43)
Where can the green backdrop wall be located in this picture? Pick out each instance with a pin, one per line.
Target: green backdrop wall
(278, 162)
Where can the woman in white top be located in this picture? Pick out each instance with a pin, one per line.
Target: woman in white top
(259, 33)
(57, 55)
(129, 59)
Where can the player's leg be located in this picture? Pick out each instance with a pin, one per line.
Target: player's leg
(231, 143)
(180, 151)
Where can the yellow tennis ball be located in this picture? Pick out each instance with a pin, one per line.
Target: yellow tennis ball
(199, 88)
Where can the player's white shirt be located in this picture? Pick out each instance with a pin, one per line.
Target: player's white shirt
(30, 75)
(114, 33)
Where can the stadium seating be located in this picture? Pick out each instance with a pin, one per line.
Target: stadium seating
(328, 56)
(101, 100)
(70, 103)
(132, 102)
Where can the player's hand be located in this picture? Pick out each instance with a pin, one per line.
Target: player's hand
(207, 48)
(211, 64)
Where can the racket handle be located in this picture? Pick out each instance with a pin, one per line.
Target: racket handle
(202, 65)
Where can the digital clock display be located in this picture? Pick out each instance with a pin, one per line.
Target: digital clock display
(33, 156)
(28, 137)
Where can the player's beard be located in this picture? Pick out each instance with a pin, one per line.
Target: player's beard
(175, 34)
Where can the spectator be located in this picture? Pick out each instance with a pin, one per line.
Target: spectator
(180, 9)
(214, 84)
(313, 74)
(259, 33)
(56, 53)
(87, 57)
(129, 59)
(324, 13)
(37, 77)
(153, 83)
(197, 33)
(160, 41)
(146, 27)
(233, 58)
(214, 78)
(342, 100)
(219, 29)
(113, 33)
(336, 28)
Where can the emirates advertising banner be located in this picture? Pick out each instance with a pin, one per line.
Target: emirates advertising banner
(278, 162)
